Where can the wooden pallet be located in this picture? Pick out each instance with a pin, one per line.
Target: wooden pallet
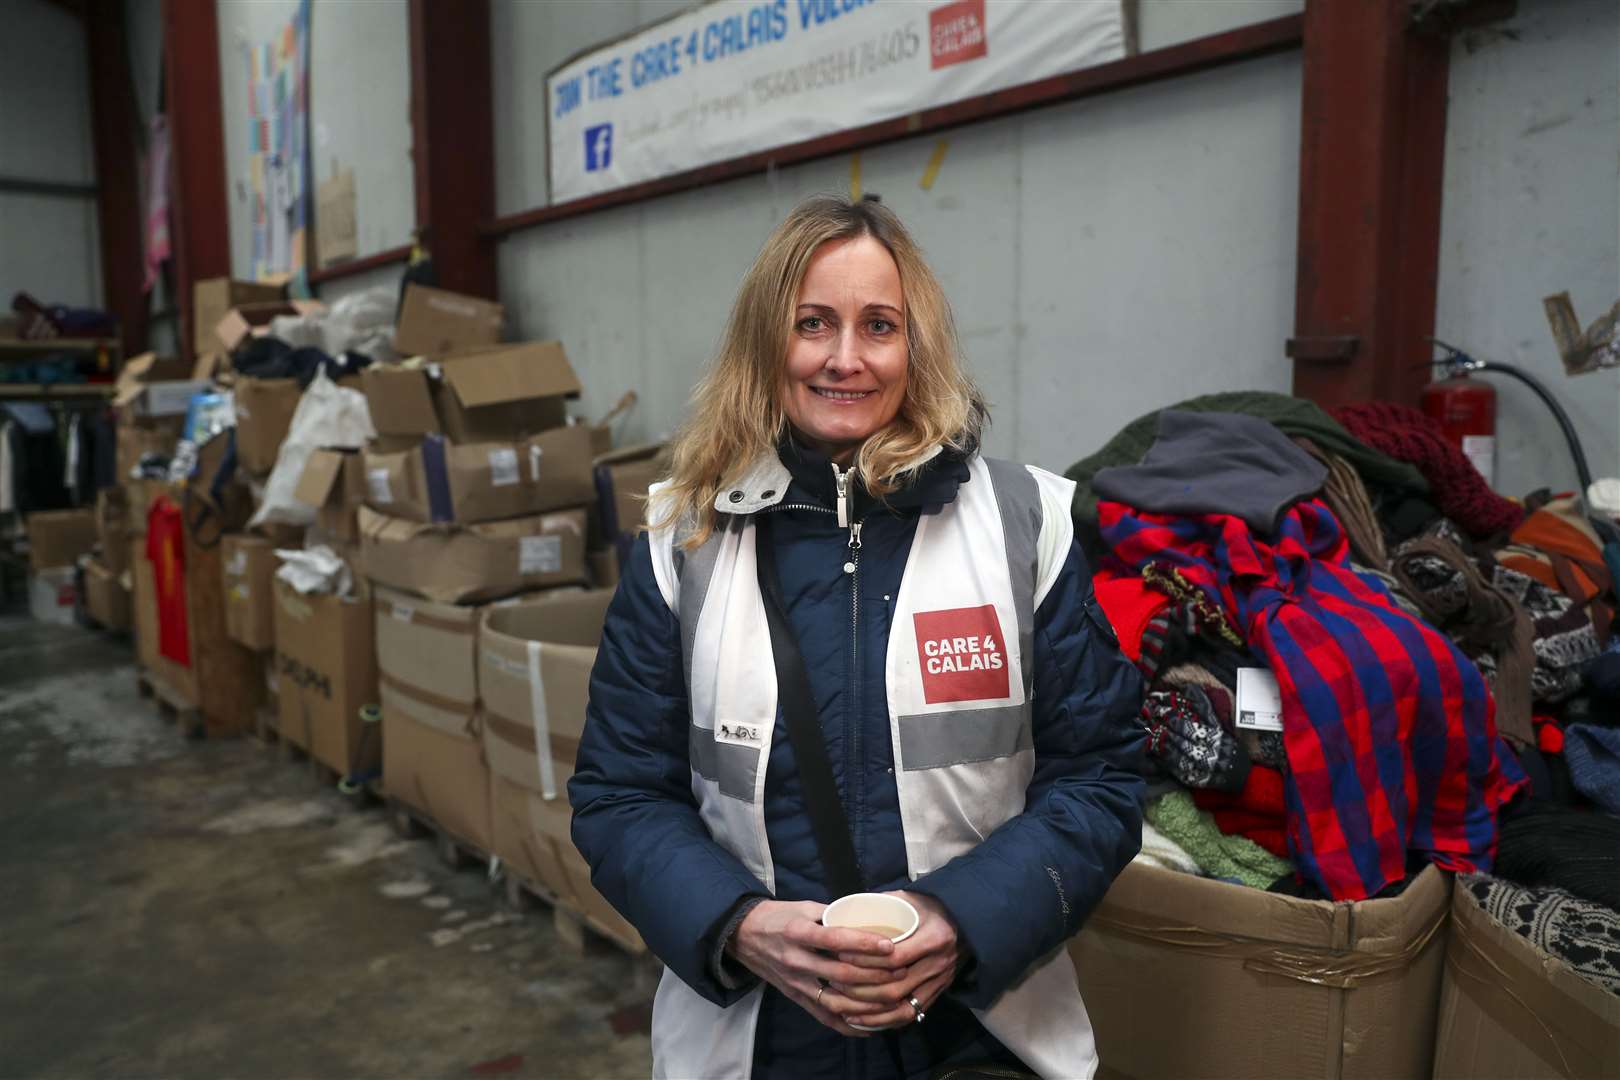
(576, 930)
(454, 851)
(171, 704)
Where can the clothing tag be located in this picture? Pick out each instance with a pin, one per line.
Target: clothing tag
(539, 555)
(377, 485)
(404, 612)
(1259, 702)
(503, 466)
(739, 734)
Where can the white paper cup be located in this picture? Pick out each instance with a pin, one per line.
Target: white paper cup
(870, 911)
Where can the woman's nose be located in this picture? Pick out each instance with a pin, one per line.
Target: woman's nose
(846, 355)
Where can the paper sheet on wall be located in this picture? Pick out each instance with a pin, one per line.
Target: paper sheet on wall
(336, 238)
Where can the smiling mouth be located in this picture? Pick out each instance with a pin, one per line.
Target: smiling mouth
(842, 395)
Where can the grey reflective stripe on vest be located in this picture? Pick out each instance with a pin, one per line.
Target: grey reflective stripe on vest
(1018, 498)
(730, 766)
(936, 740)
(693, 571)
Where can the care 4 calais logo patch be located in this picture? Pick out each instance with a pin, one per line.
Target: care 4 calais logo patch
(956, 33)
(962, 654)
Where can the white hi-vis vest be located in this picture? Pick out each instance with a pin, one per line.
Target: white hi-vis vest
(959, 683)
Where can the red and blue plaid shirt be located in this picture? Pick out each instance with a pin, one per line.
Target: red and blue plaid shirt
(1390, 730)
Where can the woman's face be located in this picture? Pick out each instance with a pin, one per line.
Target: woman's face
(846, 356)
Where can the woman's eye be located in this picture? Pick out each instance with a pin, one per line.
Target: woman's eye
(882, 326)
(811, 324)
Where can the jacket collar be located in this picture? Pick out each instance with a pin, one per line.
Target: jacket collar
(765, 482)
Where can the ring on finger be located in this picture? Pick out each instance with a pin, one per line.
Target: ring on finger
(820, 991)
(916, 1008)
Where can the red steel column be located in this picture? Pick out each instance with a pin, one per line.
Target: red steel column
(453, 139)
(119, 216)
(1372, 160)
(199, 217)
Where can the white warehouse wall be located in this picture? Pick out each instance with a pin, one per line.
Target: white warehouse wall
(1532, 208)
(49, 244)
(1104, 257)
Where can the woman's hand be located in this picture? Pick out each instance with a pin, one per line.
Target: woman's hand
(920, 967)
(785, 944)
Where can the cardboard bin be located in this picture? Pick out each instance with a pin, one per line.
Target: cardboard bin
(493, 395)
(58, 537)
(622, 479)
(433, 758)
(264, 412)
(440, 482)
(248, 566)
(1511, 1012)
(1188, 977)
(106, 596)
(435, 322)
(250, 320)
(326, 669)
(113, 528)
(464, 564)
(547, 649)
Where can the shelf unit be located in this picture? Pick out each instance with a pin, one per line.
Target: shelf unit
(55, 391)
(18, 349)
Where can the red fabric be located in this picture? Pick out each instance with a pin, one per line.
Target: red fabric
(1549, 736)
(1459, 490)
(1257, 812)
(1130, 605)
(166, 551)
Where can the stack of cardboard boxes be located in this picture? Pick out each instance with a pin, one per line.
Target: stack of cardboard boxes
(56, 541)
(475, 492)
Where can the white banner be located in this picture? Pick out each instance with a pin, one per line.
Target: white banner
(735, 77)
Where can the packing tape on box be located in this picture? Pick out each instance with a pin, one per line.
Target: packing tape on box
(521, 736)
(1337, 968)
(1486, 973)
(542, 725)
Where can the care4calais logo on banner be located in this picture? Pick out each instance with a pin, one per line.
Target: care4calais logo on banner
(961, 653)
(734, 78)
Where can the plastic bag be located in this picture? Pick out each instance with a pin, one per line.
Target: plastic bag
(327, 416)
(362, 322)
(315, 570)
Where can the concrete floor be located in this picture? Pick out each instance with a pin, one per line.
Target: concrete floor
(179, 909)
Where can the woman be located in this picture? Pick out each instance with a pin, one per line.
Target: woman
(974, 710)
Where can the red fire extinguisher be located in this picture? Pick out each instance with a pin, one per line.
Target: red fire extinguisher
(1466, 410)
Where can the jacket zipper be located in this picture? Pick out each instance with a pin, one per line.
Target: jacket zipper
(852, 720)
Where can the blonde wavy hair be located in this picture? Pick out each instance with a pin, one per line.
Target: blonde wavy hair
(737, 412)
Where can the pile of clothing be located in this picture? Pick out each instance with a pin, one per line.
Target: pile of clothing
(1359, 659)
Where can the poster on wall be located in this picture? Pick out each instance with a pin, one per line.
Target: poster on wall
(737, 77)
(278, 150)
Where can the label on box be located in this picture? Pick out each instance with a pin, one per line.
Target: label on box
(377, 486)
(503, 467)
(1259, 702)
(404, 612)
(237, 566)
(539, 555)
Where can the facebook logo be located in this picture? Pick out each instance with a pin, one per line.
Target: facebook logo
(598, 147)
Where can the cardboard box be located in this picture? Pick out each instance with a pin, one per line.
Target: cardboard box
(106, 596)
(150, 386)
(138, 436)
(143, 598)
(334, 482)
(435, 322)
(59, 537)
(1510, 1011)
(52, 595)
(441, 482)
(326, 668)
(1188, 977)
(604, 566)
(113, 528)
(558, 635)
(264, 412)
(492, 395)
(622, 479)
(433, 756)
(248, 568)
(468, 563)
(211, 298)
(245, 321)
